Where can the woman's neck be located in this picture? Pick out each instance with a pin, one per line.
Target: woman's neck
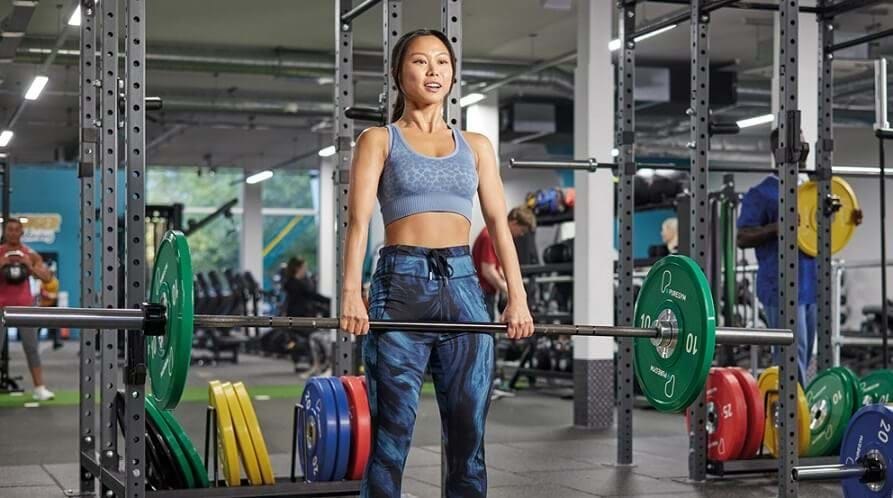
(427, 119)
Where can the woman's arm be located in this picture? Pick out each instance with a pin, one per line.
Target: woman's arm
(368, 163)
(492, 197)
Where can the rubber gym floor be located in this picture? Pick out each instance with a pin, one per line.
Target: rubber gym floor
(532, 449)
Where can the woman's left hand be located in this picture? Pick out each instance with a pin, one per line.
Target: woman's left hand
(518, 319)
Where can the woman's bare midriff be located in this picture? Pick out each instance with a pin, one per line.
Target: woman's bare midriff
(431, 229)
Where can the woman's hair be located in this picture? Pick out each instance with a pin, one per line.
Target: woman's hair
(294, 264)
(399, 53)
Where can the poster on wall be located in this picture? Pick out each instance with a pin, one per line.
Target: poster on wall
(40, 227)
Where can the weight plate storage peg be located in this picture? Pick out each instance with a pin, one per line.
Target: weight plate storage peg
(726, 415)
(768, 383)
(756, 415)
(831, 402)
(876, 387)
(672, 371)
(243, 437)
(226, 434)
(319, 432)
(342, 412)
(843, 224)
(168, 355)
(257, 436)
(361, 426)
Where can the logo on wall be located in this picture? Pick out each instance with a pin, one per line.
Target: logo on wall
(40, 227)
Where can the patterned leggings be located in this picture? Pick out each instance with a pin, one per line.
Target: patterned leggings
(414, 283)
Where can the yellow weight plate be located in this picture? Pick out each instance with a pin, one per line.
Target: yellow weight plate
(246, 447)
(257, 437)
(768, 384)
(226, 435)
(843, 224)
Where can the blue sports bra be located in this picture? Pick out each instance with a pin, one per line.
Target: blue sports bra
(414, 183)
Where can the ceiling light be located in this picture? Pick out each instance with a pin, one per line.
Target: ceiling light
(259, 177)
(327, 151)
(615, 43)
(5, 137)
(36, 87)
(471, 98)
(756, 121)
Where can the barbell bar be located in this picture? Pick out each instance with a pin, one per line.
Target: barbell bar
(674, 334)
(136, 319)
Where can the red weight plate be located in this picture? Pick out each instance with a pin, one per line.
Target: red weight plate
(726, 416)
(756, 415)
(361, 422)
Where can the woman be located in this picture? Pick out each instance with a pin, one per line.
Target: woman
(425, 175)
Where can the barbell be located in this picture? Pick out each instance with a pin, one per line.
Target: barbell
(865, 456)
(675, 333)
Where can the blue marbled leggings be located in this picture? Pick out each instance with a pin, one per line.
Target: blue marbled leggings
(415, 283)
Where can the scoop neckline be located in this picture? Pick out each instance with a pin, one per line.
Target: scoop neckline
(426, 156)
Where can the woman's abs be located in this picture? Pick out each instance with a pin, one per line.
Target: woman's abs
(430, 229)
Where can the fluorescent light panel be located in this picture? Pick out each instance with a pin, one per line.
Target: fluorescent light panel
(36, 87)
(5, 137)
(471, 99)
(756, 121)
(259, 177)
(615, 43)
(75, 19)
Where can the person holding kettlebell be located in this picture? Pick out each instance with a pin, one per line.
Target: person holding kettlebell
(18, 262)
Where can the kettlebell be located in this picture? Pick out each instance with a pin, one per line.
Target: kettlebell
(15, 272)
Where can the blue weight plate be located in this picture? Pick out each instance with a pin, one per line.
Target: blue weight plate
(868, 432)
(343, 455)
(321, 429)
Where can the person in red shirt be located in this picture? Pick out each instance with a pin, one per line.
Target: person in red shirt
(521, 221)
(18, 293)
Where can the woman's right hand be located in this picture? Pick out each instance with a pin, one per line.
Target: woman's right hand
(354, 317)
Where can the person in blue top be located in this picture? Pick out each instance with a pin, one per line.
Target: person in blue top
(758, 229)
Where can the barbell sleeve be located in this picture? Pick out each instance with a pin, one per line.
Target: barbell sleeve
(75, 318)
(827, 472)
(111, 318)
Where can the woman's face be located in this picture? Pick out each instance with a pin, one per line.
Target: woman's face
(427, 71)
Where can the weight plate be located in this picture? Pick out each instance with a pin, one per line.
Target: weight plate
(768, 384)
(226, 435)
(169, 468)
(756, 415)
(320, 431)
(199, 471)
(155, 480)
(361, 425)
(243, 437)
(853, 381)
(842, 225)
(673, 372)
(257, 437)
(168, 356)
(876, 387)
(830, 398)
(726, 415)
(867, 436)
(342, 456)
(183, 468)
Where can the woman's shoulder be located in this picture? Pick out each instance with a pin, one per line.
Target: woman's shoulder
(374, 135)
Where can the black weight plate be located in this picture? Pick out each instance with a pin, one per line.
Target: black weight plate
(172, 472)
(154, 478)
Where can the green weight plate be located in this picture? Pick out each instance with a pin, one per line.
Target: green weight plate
(184, 467)
(168, 356)
(876, 387)
(831, 402)
(195, 461)
(673, 372)
(853, 381)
